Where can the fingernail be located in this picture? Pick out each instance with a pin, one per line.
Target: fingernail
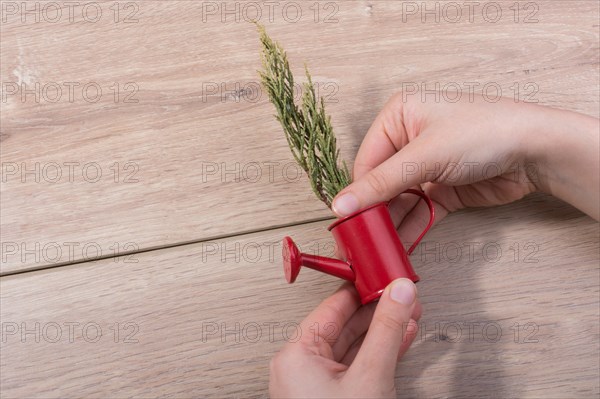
(345, 204)
(403, 291)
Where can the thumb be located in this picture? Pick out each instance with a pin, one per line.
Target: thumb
(387, 180)
(378, 354)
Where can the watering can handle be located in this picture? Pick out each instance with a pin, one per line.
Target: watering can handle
(429, 203)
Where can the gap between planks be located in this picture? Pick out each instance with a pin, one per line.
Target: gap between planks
(167, 246)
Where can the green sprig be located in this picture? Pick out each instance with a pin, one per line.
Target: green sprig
(307, 127)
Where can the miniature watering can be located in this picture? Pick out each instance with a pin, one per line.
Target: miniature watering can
(369, 244)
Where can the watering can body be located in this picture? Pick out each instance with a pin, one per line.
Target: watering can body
(371, 251)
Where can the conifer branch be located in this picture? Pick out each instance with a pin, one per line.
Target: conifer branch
(307, 127)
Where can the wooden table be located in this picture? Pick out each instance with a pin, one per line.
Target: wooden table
(146, 188)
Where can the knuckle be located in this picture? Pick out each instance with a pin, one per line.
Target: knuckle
(331, 308)
(390, 322)
(378, 181)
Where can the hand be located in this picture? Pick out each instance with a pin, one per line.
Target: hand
(337, 357)
(471, 153)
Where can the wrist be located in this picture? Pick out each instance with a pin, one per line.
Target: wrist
(541, 140)
(562, 155)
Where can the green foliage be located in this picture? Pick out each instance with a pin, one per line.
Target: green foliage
(307, 127)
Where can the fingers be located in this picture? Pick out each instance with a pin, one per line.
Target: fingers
(378, 168)
(401, 205)
(411, 333)
(350, 355)
(417, 311)
(355, 329)
(396, 174)
(385, 137)
(388, 332)
(417, 220)
(329, 318)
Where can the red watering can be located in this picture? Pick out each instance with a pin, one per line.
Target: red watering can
(369, 244)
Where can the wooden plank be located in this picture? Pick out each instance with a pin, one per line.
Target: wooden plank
(197, 154)
(202, 324)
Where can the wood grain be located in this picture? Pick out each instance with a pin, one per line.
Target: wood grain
(186, 301)
(182, 135)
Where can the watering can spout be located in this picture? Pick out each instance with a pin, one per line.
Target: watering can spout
(293, 260)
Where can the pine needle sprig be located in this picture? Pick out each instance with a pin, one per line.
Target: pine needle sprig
(307, 127)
